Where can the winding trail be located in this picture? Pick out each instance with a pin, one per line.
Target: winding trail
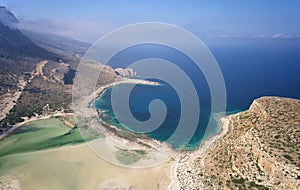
(10, 100)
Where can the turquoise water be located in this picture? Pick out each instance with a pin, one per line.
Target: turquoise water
(140, 98)
(251, 69)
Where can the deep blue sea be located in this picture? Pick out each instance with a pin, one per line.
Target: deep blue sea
(251, 68)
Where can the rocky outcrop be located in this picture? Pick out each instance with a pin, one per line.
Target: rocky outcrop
(125, 72)
(60, 72)
(260, 151)
(107, 74)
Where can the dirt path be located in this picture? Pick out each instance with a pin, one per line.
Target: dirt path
(8, 101)
(39, 69)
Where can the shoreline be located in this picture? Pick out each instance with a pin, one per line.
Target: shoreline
(224, 122)
(202, 150)
(116, 138)
(162, 176)
(96, 94)
(175, 161)
(189, 156)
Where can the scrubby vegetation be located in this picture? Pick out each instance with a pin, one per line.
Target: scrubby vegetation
(260, 150)
(39, 97)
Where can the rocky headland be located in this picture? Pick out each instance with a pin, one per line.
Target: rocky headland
(261, 150)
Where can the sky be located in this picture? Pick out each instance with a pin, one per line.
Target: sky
(89, 20)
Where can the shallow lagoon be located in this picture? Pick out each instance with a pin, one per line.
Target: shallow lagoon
(47, 154)
(39, 135)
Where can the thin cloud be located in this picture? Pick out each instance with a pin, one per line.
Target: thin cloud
(262, 36)
(82, 29)
(91, 29)
(279, 35)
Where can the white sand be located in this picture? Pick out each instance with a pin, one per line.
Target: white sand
(188, 158)
(77, 167)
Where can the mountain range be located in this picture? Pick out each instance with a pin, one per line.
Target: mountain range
(19, 48)
(37, 71)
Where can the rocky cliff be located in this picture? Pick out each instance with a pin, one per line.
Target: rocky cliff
(260, 151)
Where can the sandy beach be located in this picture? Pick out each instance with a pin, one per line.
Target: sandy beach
(178, 158)
(77, 167)
(81, 168)
(156, 152)
(100, 90)
(200, 152)
(188, 158)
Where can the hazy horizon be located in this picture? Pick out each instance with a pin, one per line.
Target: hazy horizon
(88, 21)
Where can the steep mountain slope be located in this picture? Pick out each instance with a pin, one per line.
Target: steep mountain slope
(7, 18)
(19, 48)
(18, 52)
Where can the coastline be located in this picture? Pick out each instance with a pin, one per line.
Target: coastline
(113, 140)
(201, 151)
(181, 158)
(224, 122)
(161, 176)
(94, 95)
(150, 177)
(117, 140)
(100, 90)
(82, 176)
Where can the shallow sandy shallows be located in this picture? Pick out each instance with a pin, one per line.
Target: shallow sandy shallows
(77, 167)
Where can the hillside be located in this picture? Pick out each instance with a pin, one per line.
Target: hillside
(7, 18)
(37, 71)
(17, 52)
(260, 151)
(30, 77)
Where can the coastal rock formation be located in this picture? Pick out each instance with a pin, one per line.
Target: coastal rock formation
(260, 151)
(62, 73)
(125, 72)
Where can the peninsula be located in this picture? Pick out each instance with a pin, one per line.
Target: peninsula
(261, 150)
